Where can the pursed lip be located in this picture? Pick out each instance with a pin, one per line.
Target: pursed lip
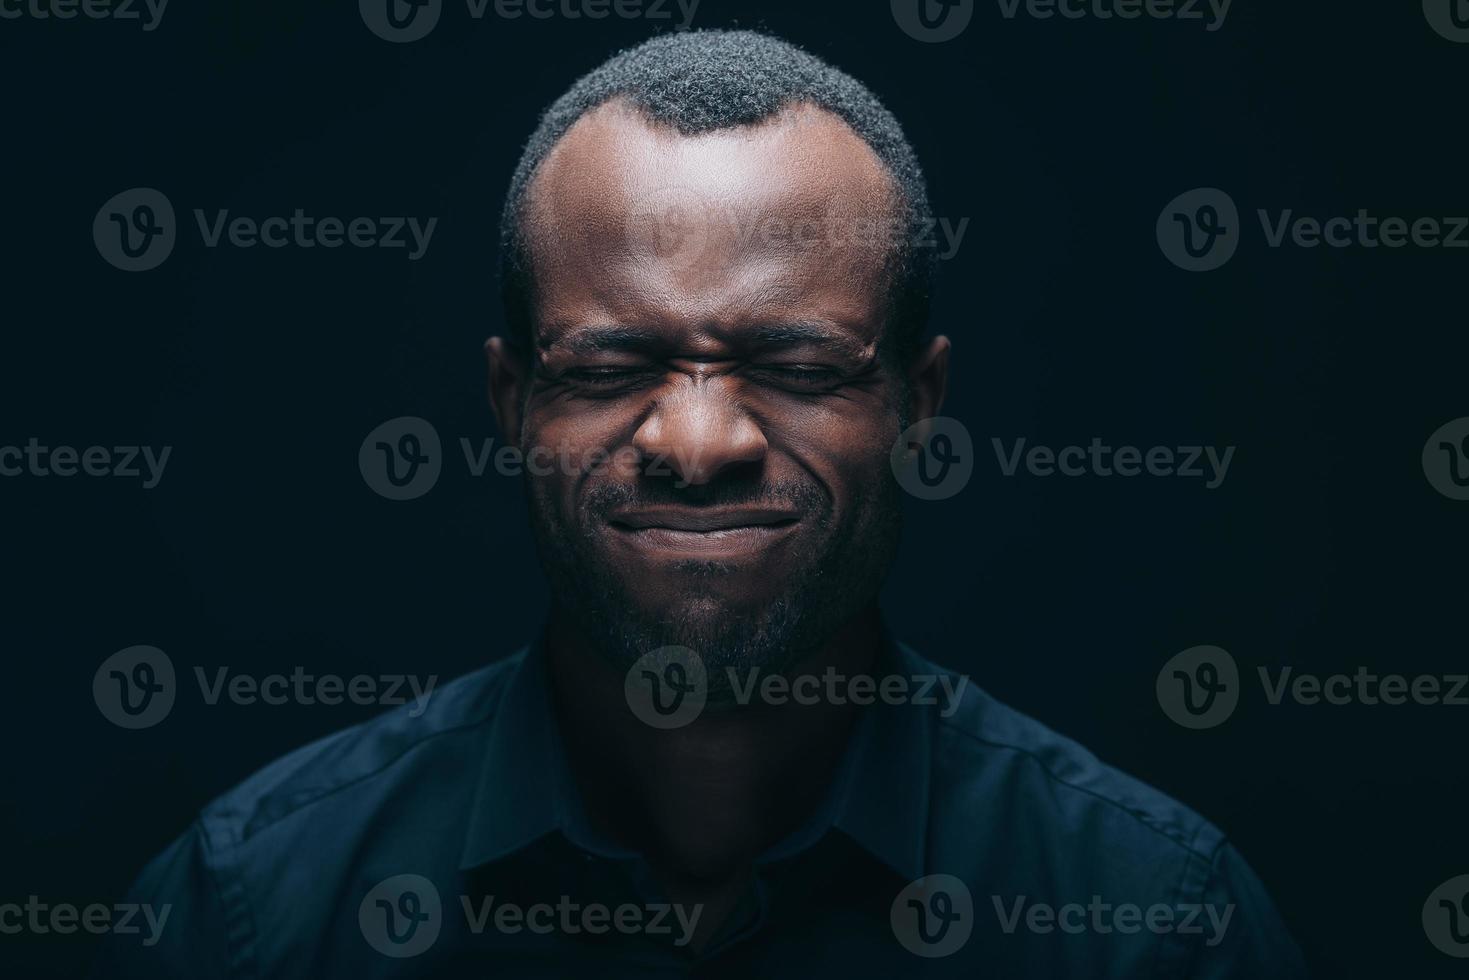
(702, 519)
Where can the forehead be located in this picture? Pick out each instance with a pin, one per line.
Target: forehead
(630, 222)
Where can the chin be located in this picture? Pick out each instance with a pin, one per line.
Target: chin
(676, 594)
(723, 631)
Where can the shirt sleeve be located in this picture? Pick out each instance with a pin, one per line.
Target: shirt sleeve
(191, 942)
(1242, 935)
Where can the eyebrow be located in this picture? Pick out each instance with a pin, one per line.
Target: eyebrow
(597, 340)
(621, 337)
(792, 334)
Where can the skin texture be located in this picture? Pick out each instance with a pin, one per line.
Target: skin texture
(709, 318)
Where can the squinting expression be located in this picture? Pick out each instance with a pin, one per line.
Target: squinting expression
(708, 312)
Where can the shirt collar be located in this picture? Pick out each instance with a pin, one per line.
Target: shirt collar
(513, 803)
(883, 784)
(878, 797)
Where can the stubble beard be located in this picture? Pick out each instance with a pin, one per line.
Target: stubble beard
(842, 576)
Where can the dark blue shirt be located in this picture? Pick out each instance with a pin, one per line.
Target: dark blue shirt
(960, 840)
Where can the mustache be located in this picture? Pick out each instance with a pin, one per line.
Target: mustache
(805, 497)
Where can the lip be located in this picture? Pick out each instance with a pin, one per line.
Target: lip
(702, 519)
(723, 532)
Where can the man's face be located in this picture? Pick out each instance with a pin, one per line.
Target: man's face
(706, 375)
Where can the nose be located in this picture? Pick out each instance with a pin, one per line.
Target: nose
(699, 431)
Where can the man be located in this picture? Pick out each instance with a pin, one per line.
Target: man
(716, 290)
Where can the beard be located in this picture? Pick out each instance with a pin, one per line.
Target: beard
(837, 572)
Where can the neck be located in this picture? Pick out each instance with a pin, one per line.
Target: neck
(702, 801)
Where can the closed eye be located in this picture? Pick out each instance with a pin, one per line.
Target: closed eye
(611, 379)
(802, 378)
(798, 376)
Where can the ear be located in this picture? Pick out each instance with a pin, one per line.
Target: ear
(509, 384)
(928, 379)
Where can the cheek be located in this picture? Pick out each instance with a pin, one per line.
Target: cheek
(591, 441)
(566, 429)
(844, 442)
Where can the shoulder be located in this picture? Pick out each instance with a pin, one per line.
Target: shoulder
(361, 761)
(249, 884)
(986, 752)
(1047, 837)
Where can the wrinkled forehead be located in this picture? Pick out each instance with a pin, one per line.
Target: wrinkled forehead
(628, 219)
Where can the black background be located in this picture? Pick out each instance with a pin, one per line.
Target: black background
(1060, 140)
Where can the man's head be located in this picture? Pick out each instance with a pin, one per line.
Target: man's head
(716, 288)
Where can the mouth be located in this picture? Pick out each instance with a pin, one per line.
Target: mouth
(703, 520)
(707, 531)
